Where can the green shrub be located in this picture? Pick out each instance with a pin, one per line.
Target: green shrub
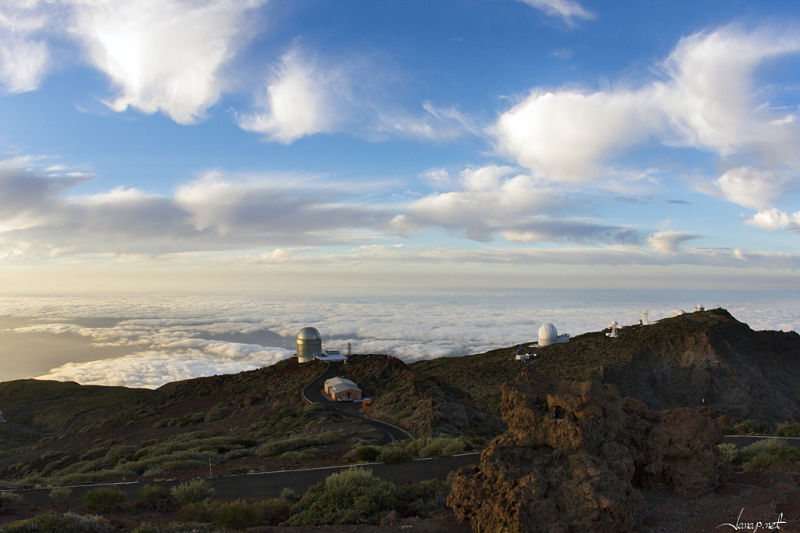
(751, 427)
(273, 511)
(61, 497)
(395, 455)
(153, 496)
(788, 429)
(288, 494)
(9, 498)
(56, 523)
(174, 527)
(364, 453)
(237, 514)
(218, 412)
(202, 511)
(727, 452)
(195, 490)
(352, 496)
(104, 499)
(766, 458)
(764, 445)
(294, 443)
(180, 465)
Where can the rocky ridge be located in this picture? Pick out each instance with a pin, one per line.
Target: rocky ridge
(577, 457)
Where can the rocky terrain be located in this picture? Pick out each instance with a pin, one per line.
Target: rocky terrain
(577, 457)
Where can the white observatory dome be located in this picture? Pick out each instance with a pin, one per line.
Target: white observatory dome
(548, 334)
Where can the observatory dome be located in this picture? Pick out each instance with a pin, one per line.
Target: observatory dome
(548, 334)
(309, 344)
(309, 334)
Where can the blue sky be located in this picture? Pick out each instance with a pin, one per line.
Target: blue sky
(492, 142)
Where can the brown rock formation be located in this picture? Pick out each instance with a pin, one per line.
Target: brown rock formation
(576, 456)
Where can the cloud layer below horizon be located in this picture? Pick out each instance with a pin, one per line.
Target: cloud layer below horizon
(173, 338)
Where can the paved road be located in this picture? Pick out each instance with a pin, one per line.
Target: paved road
(270, 484)
(313, 393)
(743, 440)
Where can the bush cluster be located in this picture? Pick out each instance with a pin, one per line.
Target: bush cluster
(352, 496)
(237, 514)
(192, 491)
(104, 499)
(58, 523)
(761, 454)
(278, 447)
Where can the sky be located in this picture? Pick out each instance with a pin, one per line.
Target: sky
(156, 144)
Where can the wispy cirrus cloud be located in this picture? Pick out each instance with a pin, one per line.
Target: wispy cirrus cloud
(306, 94)
(567, 10)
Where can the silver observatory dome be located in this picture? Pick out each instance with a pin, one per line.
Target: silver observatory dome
(309, 344)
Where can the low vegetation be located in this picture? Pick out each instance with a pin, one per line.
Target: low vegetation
(104, 499)
(761, 454)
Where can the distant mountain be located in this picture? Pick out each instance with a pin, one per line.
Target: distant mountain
(696, 359)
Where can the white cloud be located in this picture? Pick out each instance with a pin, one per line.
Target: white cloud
(152, 369)
(163, 55)
(24, 55)
(23, 63)
(668, 242)
(497, 199)
(566, 135)
(307, 95)
(302, 98)
(706, 100)
(754, 188)
(214, 212)
(435, 123)
(564, 9)
(775, 219)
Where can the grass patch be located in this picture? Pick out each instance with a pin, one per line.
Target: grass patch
(279, 447)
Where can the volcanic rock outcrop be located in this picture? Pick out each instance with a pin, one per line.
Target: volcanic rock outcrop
(576, 457)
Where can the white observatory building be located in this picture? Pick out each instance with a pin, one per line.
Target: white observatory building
(309, 347)
(548, 334)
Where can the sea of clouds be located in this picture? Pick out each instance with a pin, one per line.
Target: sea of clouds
(173, 337)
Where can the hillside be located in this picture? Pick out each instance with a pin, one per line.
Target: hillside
(255, 420)
(697, 359)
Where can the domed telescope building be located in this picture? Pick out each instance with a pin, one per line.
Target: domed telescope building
(548, 334)
(309, 345)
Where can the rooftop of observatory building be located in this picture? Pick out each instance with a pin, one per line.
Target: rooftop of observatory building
(309, 334)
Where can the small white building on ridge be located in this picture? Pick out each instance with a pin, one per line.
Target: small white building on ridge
(341, 389)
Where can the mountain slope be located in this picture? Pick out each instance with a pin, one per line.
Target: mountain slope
(697, 359)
